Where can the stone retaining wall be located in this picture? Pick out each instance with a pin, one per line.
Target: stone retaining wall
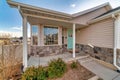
(45, 50)
(101, 53)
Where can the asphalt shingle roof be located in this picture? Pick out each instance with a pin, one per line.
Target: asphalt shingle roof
(110, 11)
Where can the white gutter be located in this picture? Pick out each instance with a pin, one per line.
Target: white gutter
(116, 25)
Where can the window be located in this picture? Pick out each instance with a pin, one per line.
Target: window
(50, 35)
(35, 35)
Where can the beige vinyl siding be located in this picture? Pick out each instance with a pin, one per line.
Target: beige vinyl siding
(118, 39)
(97, 34)
(83, 19)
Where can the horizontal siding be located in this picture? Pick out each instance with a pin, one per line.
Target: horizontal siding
(118, 40)
(97, 34)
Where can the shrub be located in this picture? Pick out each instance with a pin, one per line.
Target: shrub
(100, 79)
(33, 73)
(73, 65)
(41, 73)
(56, 68)
(29, 74)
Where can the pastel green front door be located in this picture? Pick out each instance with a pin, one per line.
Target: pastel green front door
(70, 39)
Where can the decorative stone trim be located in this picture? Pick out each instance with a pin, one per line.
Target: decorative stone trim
(45, 50)
(101, 53)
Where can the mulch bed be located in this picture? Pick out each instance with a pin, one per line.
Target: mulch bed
(79, 73)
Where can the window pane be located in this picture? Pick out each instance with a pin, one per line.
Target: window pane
(50, 35)
(35, 35)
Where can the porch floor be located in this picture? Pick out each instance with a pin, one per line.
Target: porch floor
(36, 60)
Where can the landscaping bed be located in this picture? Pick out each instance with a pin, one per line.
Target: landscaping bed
(57, 69)
(79, 73)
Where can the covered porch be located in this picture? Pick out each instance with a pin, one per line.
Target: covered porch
(55, 32)
(53, 39)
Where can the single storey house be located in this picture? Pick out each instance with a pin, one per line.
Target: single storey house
(95, 31)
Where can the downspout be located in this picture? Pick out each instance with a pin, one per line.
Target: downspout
(115, 40)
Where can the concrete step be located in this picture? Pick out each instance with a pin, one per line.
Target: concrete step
(100, 70)
(94, 78)
(85, 59)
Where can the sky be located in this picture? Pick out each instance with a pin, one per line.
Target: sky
(11, 20)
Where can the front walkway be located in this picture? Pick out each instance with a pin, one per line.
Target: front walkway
(36, 60)
(98, 69)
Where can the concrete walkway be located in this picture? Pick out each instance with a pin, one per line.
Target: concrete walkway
(86, 61)
(36, 60)
(98, 69)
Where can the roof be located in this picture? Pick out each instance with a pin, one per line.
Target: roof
(16, 4)
(105, 15)
(92, 9)
(108, 12)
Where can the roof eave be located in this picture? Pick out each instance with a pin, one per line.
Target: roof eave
(91, 9)
(104, 17)
(16, 4)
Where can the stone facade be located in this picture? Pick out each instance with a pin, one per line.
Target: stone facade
(45, 50)
(118, 57)
(101, 53)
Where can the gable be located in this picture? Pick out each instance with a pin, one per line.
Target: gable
(84, 18)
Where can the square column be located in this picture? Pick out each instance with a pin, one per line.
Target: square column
(25, 47)
(31, 38)
(60, 35)
(39, 42)
(40, 35)
(74, 38)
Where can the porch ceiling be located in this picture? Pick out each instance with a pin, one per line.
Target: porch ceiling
(46, 21)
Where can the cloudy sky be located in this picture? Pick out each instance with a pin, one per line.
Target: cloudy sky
(11, 21)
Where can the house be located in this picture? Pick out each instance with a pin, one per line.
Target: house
(94, 31)
(16, 40)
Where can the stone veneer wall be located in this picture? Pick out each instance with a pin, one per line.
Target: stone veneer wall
(45, 50)
(118, 57)
(101, 53)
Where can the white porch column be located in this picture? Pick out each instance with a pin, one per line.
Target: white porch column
(60, 35)
(31, 41)
(73, 40)
(25, 48)
(40, 35)
(39, 42)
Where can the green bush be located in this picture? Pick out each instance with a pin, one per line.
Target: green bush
(41, 73)
(73, 65)
(56, 68)
(30, 74)
(33, 73)
(100, 79)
